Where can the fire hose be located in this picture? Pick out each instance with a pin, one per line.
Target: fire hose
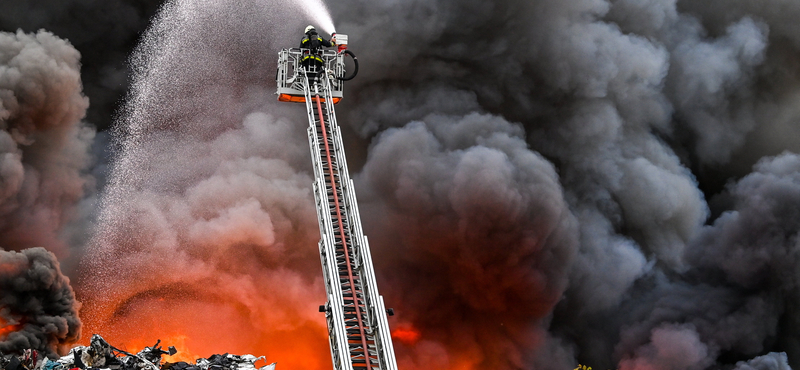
(355, 71)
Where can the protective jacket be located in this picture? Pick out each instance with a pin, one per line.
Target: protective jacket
(314, 42)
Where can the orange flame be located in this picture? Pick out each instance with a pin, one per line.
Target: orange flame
(6, 329)
(406, 334)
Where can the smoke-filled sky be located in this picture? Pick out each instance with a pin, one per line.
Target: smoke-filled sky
(544, 183)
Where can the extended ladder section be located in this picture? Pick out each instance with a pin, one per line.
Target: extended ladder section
(355, 312)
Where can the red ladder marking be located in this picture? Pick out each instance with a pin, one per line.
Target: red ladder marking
(344, 240)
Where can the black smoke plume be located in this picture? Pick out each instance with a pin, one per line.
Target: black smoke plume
(38, 302)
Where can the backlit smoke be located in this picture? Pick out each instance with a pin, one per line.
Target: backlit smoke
(535, 183)
(44, 145)
(476, 231)
(37, 303)
(208, 229)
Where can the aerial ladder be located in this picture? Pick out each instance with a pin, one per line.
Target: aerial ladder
(358, 329)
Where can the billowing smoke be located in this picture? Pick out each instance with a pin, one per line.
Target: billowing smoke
(44, 160)
(534, 176)
(632, 102)
(477, 231)
(103, 31)
(44, 145)
(37, 302)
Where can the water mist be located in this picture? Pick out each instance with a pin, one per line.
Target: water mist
(319, 14)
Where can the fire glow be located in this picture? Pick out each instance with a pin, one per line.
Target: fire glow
(406, 334)
(6, 329)
(199, 328)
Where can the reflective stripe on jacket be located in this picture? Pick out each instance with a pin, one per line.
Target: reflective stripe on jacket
(308, 43)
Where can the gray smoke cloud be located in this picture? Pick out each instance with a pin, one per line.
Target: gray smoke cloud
(38, 302)
(104, 32)
(44, 156)
(769, 361)
(631, 101)
(477, 229)
(44, 145)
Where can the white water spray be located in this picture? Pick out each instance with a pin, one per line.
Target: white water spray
(318, 11)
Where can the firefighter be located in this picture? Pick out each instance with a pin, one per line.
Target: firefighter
(312, 57)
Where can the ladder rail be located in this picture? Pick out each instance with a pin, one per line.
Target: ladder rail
(356, 315)
(375, 305)
(345, 239)
(334, 309)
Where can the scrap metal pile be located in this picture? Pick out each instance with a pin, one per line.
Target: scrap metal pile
(100, 355)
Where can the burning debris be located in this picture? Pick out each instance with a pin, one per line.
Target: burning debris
(101, 355)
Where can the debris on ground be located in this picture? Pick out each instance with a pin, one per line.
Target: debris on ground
(99, 355)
